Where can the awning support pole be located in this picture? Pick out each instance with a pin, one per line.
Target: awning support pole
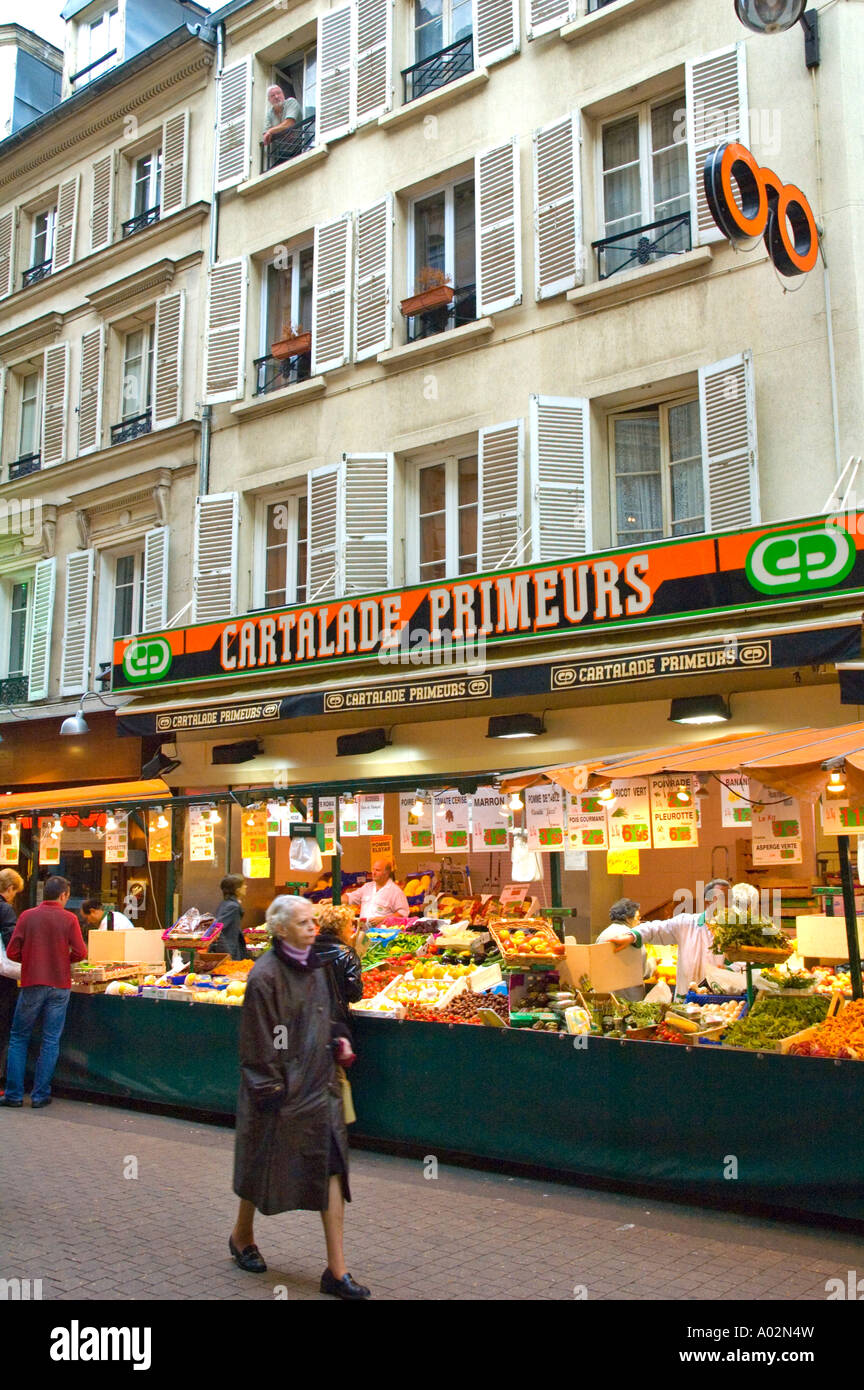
(555, 878)
(850, 914)
(336, 857)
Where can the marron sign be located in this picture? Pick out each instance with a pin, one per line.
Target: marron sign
(748, 202)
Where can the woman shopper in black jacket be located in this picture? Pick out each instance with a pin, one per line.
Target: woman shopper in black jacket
(336, 948)
(230, 914)
(11, 884)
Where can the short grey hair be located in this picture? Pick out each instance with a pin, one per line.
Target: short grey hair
(282, 912)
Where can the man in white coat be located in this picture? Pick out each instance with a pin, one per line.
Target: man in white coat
(690, 931)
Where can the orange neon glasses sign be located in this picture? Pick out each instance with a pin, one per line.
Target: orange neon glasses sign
(748, 202)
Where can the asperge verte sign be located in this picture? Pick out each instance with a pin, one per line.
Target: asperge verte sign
(620, 590)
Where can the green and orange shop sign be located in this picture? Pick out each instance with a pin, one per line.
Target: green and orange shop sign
(614, 591)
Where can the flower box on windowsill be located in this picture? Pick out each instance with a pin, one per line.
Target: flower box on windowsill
(298, 346)
(436, 298)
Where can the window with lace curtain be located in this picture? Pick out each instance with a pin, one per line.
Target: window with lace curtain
(656, 457)
(644, 174)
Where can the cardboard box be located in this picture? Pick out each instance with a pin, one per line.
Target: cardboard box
(138, 945)
(606, 968)
(825, 937)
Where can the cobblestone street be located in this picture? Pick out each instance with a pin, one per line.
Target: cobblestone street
(70, 1218)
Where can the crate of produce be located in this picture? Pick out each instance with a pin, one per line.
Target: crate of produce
(433, 992)
(90, 973)
(208, 962)
(528, 944)
(775, 1018)
(806, 1035)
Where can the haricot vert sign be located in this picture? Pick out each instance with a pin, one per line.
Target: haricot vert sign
(698, 576)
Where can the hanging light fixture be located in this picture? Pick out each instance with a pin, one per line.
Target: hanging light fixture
(836, 783)
(515, 803)
(111, 822)
(702, 787)
(606, 795)
(419, 804)
(57, 827)
(769, 16)
(682, 794)
(215, 818)
(161, 819)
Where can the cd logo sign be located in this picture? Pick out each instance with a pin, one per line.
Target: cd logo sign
(800, 561)
(748, 202)
(146, 660)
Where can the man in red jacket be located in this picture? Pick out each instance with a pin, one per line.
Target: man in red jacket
(46, 940)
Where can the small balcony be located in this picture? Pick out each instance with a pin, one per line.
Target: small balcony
(14, 690)
(288, 144)
(628, 250)
(143, 219)
(28, 463)
(456, 60)
(133, 428)
(272, 373)
(105, 62)
(461, 309)
(37, 272)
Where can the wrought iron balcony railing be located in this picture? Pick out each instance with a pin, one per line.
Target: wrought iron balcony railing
(132, 428)
(456, 60)
(14, 690)
(667, 237)
(288, 144)
(461, 309)
(599, 5)
(28, 463)
(37, 272)
(142, 220)
(272, 373)
(97, 63)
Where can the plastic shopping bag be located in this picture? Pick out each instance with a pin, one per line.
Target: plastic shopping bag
(9, 969)
(305, 856)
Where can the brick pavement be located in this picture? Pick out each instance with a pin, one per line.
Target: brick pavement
(69, 1217)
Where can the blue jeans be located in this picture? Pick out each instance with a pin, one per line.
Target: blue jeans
(35, 1002)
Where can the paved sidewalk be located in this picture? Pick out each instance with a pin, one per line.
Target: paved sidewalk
(69, 1217)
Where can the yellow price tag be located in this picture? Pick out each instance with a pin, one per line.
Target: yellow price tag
(622, 861)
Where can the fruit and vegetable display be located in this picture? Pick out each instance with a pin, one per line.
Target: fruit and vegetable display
(774, 1018)
(840, 1036)
(531, 942)
(788, 979)
(735, 930)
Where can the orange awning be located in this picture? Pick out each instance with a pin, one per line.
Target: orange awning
(103, 795)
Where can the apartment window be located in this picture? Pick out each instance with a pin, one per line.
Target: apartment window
(41, 246)
(146, 192)
(16, 594)
(98, 45)
(657, 468)
(30, 423)
(645, 186)
(286, 313)
(137, 388)
(445, 531)
(442, 231)
(128, 594)
(443, 45)
(19, 612)
(286, 543)
(298, 78)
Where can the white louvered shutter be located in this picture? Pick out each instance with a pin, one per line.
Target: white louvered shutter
(368, 483)
(500, 495)
(44, 585)
(331, 295)
(558, 260)
(77, 621)
(8, 229)
(374, 59)
(55, 392)
(234, 125)
(214, 565)
(499, 247)
(496, 30)
(90, 391)
(3, 379)
(730, 465)
(175, 162)
(546, 15)
(716, 112)
(156, 578)
(67, 223)
(102, 206)
(225, 341)
(326, 528)
(560, 477)
(168, 360)
(373, 278)
(336, 100)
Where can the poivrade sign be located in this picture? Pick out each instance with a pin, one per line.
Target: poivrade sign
(748, 202)
(689, 578)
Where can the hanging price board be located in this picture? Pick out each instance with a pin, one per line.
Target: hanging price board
(490, 820)
(415, 832)
(544, 817)
(202, 835)
(349, 819)
(587, 827)
(117, 841)
(451, 823)
(371, 815)
(254, 832)
(735, 800)
(776, 830)
(629, 815)
(10, 842)
(674, 823)
(49, 843)
(840, 818)
(158, 836)
(327, 818)
(622, 861)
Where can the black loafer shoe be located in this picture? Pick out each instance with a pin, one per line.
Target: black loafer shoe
(12, 1104)
(249, 1259)
(344, 1287)
(40, 1104)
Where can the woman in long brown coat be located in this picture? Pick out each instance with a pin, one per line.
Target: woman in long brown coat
(291, 1149)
